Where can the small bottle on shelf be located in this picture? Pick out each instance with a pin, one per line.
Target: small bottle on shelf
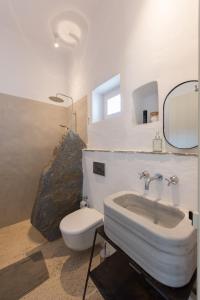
(144, 116)
(157, 143)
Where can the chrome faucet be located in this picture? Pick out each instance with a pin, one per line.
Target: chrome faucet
(148, 179)
(144, 174)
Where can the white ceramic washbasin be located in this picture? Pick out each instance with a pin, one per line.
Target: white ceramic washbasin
(158, 236)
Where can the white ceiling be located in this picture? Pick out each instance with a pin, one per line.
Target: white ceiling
(31, 20)
(33, 17)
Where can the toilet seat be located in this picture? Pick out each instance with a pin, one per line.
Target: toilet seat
(78, 228)
(81, 221)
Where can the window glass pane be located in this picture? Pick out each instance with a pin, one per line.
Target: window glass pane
(114, 105)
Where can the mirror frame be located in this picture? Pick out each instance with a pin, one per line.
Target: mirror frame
(164, 103)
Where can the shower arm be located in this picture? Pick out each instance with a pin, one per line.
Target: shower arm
(73, 113)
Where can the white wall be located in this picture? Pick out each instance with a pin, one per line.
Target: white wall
(122, 174)
(144, 41)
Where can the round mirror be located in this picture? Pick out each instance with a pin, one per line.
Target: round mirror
(180, 115)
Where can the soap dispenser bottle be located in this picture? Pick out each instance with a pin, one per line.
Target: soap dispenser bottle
(157, 143)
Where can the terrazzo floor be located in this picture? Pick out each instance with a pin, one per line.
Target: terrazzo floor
(67, 269)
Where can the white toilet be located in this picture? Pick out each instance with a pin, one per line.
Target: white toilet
(78, 228)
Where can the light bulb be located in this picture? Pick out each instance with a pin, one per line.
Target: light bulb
(56, 45)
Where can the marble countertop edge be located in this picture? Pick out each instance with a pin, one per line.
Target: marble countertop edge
(140, 152)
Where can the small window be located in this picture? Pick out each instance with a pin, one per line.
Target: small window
(113, 105)
(106, 99)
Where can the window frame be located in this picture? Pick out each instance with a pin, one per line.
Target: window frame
(100, 96)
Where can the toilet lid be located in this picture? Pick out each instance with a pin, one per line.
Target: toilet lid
(81, 220)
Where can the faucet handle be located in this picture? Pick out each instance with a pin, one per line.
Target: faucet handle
(144, 174)
(172, 180)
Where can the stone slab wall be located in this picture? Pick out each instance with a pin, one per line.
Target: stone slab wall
(60, 189)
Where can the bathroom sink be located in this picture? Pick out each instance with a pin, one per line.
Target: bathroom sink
(153, 211)
(158, 236)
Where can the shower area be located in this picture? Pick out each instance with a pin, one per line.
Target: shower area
(30, 131)
(39, 144)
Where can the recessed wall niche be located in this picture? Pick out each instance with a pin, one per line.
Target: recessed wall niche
(145, 98)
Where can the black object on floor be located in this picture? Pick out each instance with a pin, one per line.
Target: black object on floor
(117, 280)
(120, 278)
(18, 279)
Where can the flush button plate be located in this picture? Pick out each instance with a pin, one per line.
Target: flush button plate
(99, 168)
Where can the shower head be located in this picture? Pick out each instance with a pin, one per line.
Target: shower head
(59, 99)
(56, 99)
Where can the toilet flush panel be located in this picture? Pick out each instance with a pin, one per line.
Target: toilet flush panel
(99, 168)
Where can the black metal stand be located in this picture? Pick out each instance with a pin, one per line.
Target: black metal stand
(121, 278)
(90, 263)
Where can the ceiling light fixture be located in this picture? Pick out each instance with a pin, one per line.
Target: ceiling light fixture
(56, 42)
(56, 45)
(69, 30)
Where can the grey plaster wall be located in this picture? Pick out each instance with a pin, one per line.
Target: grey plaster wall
(29, 131)
(81, 109)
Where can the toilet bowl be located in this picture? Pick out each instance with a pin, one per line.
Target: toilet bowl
(78, 228)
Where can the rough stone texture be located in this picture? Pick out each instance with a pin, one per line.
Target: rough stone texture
(60, 187)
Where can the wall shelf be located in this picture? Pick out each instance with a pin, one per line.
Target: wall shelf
(132, 151)
(116, 279)
(145, 98)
